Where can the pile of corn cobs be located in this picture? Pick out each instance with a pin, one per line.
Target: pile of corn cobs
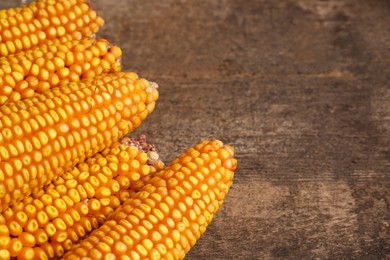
(71, 184)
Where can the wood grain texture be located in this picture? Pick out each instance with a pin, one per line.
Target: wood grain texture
(300, 88)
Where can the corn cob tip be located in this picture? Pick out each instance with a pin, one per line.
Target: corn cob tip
(152, 95)
(143, 146)
(152, 86)
(230, 163)
(229, 148)
(225, 151)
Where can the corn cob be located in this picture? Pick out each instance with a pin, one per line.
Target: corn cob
(24, 74)
(51, 220)
(46, 22)
(169, 214)
(44, 136)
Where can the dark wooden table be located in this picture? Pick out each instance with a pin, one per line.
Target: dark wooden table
(300, 88)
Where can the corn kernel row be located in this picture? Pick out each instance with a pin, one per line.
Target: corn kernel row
(50, 221)
(168, 215)
(46, 22)
(44, 136)
(26, 73)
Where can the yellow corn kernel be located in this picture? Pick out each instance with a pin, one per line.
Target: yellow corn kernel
(15, 247)
(172, 231)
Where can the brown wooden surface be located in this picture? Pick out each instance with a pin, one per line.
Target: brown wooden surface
(300, 88)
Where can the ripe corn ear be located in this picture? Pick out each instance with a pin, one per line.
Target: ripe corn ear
(168, 215)
(45, 136)
(53, 219)
(27, 73)
(46, 22)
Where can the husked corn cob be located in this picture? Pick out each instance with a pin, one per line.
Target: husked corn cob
(169, 214)
(44, 136)
(50, 221)
(24, 74)
(46, 22)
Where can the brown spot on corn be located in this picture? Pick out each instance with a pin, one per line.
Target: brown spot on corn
(163, 220)
(45, 136)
